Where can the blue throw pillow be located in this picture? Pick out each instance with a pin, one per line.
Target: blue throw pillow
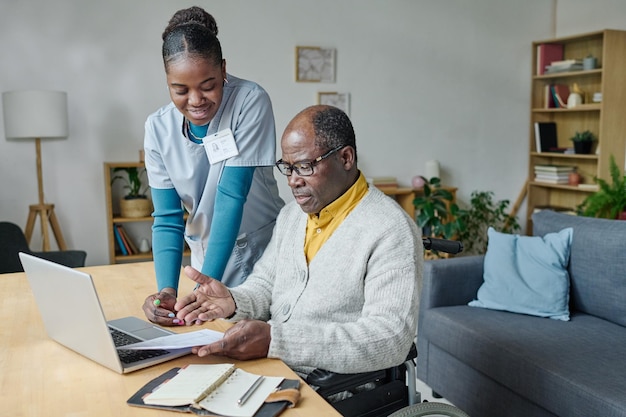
(527, 274)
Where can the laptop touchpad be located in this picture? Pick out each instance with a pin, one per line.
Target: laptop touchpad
(151, 333)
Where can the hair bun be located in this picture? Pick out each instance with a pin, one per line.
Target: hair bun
(192, 15)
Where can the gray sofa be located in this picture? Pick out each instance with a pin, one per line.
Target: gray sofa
(496, 363)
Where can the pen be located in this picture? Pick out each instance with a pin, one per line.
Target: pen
(250, 391)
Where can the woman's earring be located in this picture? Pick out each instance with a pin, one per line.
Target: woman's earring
(225, 81)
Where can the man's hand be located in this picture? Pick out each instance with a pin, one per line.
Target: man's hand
(248, 339)
(159, 308)
(211, 300)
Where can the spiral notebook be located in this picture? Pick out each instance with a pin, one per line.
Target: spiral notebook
(209, 389)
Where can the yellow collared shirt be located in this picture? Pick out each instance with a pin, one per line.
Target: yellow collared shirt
(322, 225)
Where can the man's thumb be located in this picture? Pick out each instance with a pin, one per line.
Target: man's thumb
(196, 275)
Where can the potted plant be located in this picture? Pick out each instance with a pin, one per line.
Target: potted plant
(135, 203)
(482, 213)
(610, 200)
(583, 142)
(436, 213)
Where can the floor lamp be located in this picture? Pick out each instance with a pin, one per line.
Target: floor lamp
(37, 114)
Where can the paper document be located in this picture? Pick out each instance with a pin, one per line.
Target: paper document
(178, 341)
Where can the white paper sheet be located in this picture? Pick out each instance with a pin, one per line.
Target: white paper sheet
(224, 400)
(178, 341)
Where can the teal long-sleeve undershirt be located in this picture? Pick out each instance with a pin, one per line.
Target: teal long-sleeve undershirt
(168, 228)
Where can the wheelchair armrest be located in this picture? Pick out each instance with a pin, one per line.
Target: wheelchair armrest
(329, 383)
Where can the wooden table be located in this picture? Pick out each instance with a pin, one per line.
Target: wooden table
(39, 377)
(405, 196)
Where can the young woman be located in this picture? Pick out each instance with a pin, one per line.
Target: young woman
(210, 151)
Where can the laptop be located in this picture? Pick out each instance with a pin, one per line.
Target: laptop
(73, 316)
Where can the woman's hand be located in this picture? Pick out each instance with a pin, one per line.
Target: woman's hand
(159, 308)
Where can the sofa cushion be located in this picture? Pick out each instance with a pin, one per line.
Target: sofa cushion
(573, 368)
(527, 274)
(597, 263)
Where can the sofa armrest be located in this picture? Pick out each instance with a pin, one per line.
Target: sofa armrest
(449, 282)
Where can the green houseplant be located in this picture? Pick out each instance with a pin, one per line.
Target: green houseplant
(135, 203)
(436, 213)
(583, 141)
(438, 216)
(610, 200)
(484, 212)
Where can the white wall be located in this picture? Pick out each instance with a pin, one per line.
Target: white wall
(581, 16)
(429, 79)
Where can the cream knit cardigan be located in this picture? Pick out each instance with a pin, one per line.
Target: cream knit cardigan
(354, 308)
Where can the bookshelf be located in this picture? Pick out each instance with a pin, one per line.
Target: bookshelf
(136, 228)
(605, 119)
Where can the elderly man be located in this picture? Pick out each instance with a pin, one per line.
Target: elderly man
(337, 287)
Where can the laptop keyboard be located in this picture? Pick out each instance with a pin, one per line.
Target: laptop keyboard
(131, 356)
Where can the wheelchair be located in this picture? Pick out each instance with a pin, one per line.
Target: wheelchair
(386, 392)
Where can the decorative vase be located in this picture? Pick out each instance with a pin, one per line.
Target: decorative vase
(573, 178)
(589, 63)
(574, 100)
(417, 182)
(135, 207)
(144, 246)
(583, 147)
(432, 170)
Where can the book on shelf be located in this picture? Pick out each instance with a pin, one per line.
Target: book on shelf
(545, 136)
(120, 242)
(548, 98)
(555, 96)
(552, 180)
(566, 62)
(552, 175)
(553, 168)
(564, 66)
(560, 94)
(221, 389)
(547, 53)
(385, 182)
(130, 245)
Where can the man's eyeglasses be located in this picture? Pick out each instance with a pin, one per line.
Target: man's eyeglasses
(303, 168)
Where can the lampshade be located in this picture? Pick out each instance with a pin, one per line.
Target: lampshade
(35, 114)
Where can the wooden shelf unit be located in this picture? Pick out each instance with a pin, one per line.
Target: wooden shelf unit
(113, 195)
(606, 119)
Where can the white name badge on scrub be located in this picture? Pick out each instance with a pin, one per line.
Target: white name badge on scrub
(220, 146)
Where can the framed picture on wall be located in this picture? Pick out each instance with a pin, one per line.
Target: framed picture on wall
(315, 64)
(340, 100)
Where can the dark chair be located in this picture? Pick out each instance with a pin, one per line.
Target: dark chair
(13, 241)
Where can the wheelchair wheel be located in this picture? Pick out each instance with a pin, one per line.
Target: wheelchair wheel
(429, 409)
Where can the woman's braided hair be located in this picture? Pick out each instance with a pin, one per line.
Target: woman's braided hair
(191, 33)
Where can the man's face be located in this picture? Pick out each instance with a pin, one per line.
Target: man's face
(328, 181)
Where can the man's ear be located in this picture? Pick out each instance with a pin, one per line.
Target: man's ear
(347, 155)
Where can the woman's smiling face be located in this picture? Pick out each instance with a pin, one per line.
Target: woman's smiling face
(196, 86)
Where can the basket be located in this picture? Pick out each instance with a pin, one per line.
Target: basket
(136, 207)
